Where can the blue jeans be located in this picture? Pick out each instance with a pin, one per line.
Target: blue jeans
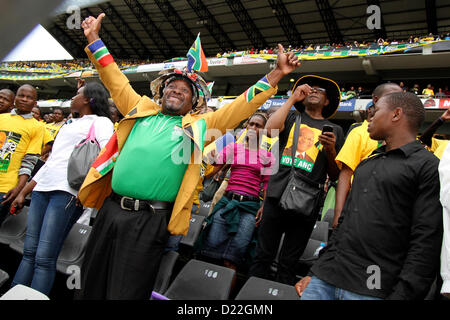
(321, 290)
(220, 245)
(50, 217)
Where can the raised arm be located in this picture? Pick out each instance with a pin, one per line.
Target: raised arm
(427, 136)
(124, 96)
(229, 116)
(276, 121)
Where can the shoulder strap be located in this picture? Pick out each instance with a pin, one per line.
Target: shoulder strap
(91, 133)
(298, 120)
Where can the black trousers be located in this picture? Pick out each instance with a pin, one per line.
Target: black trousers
(275, 221)
(123, 253)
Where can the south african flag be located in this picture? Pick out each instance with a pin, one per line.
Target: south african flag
(196, 57)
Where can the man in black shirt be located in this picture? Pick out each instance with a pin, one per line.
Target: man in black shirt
(387, 243)
(318, 99)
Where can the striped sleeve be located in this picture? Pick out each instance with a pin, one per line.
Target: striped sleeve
(260, 86)
(101, 53)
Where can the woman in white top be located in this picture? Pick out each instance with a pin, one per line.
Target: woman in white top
(53, 208)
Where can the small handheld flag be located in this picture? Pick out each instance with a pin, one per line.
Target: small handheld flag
(196, 57)
(210, 86)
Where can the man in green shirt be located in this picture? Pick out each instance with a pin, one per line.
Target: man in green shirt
(144, 180)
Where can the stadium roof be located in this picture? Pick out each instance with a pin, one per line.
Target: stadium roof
(161, 29)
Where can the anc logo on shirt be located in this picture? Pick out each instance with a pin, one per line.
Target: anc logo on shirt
(8, 145)
(308, 148)
(52, 131)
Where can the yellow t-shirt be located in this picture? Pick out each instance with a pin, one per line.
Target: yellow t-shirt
(53, 128)
(18, 137)
(438, 146)
(428, 92)
(357, 147)
(47, 135)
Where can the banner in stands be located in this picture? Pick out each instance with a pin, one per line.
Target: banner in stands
(251, 59)
(150, 67)
(237, 58)
(178, 65)
(362, 104)
(430, 103)
(444, 103)
(347, 105)
(217, 62)
(325, 53)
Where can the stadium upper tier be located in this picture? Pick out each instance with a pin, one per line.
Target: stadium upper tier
(26, 71)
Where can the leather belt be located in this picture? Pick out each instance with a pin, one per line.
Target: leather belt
(131, 204)
(240, 197)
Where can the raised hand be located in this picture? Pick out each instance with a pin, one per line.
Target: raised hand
(446, 115)
(287, 61)
(301, 92)
(91, 27)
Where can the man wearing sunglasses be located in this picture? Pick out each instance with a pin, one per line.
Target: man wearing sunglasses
(317, 99)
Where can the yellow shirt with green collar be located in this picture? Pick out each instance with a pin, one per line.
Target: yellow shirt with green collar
(19, 135)
(97, 185)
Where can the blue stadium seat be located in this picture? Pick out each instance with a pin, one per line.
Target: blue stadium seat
(262, 289)
(200, 280)
(72, 252)
(14, 227)
(165, 271)
(195, 226)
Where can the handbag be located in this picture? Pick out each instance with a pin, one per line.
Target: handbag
(302, 195)
(81, 159)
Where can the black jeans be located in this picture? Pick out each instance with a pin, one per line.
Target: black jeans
(123, 253)
(275, 221)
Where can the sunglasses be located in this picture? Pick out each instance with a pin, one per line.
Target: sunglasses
(321, 90)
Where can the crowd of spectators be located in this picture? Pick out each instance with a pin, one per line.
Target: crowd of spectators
(376, 43)
(80, 64)
(429, 91)
(64, 66)
(138, 184)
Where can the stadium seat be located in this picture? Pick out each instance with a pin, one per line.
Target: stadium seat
(4, 276)
(328, 217)
(262, 289)
(21, 292)
(320, 231)
(195, 226)
(308, 257)
(14, 227)
(165, 271)
(18, 244)
(72, 252)
(204, 208)
(274, 265)
(200, 280)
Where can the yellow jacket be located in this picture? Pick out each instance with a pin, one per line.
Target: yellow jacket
(97, 186)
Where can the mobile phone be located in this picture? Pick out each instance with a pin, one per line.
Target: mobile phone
(327, 128)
